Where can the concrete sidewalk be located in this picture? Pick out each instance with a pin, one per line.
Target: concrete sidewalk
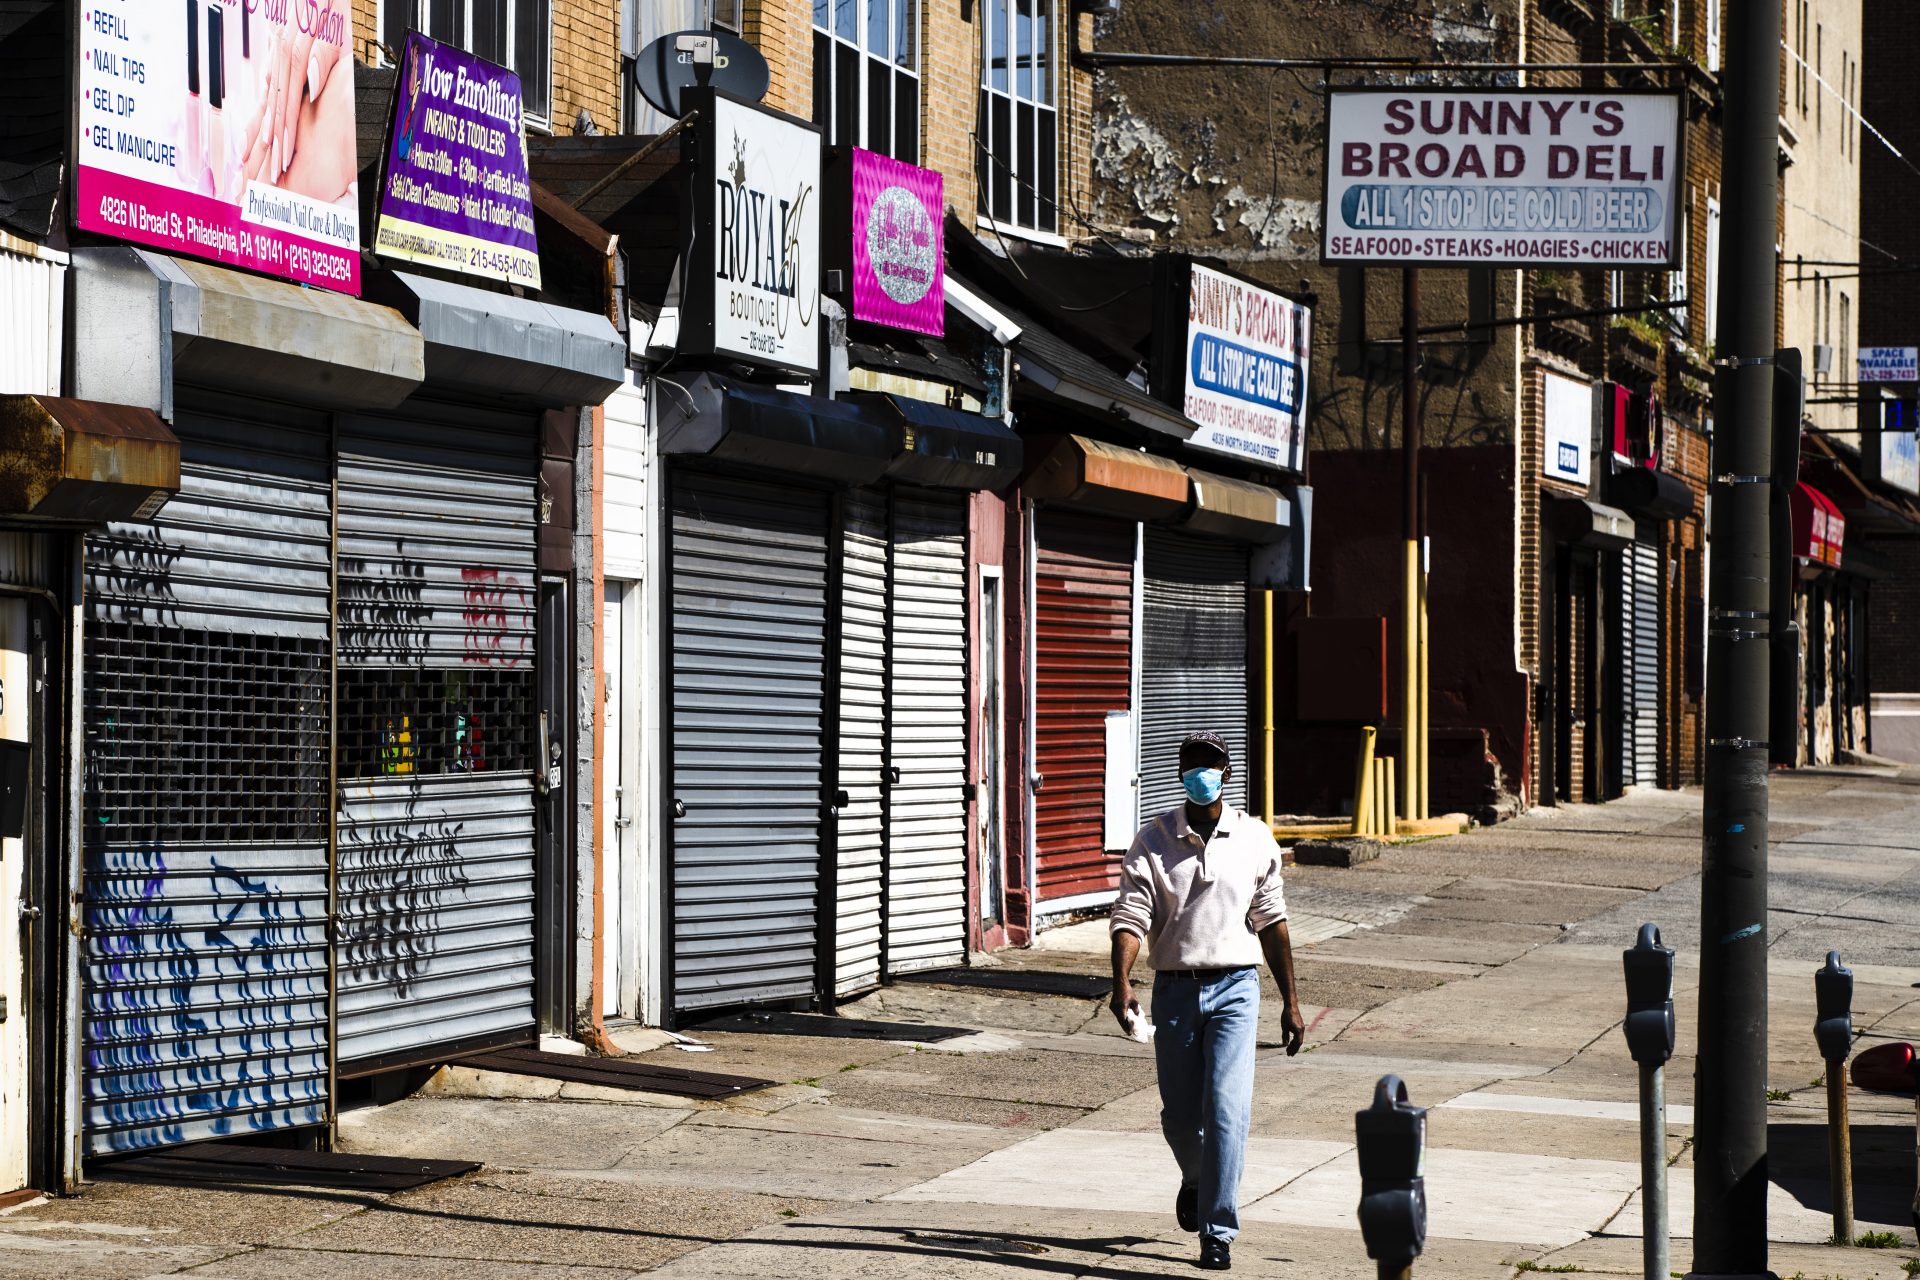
(1483, 969)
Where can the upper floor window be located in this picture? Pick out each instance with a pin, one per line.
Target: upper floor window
(1017, 132)
(866, 75)
(644, 21)
(516, 34)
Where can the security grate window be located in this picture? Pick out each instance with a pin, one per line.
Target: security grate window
(199, 736)
(398, 722)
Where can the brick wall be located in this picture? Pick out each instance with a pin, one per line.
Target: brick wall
(1894, 618)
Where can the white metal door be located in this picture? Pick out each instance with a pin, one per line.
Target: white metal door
(927, 732)
(16, 704)
(614, 822)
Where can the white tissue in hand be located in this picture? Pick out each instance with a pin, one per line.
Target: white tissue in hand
(1139, 1026)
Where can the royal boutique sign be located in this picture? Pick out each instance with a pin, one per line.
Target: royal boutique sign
(899, 253)
(753, 288)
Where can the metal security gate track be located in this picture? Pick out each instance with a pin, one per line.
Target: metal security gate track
(614, 1073)
(234, 1163)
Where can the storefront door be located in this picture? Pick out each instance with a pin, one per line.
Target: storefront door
(1083, 674)
(1194, 669)
(204, 981)
(927, 732)
(439, 741)
(749, 688)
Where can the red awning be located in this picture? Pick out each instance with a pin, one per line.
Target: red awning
(1818, 527)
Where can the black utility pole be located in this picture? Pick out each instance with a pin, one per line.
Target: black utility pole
(1730, 1116)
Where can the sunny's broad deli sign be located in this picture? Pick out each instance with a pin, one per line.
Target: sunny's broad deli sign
(1491, 177)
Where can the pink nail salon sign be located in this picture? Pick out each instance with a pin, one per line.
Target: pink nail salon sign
(899, 252)
(222, 129)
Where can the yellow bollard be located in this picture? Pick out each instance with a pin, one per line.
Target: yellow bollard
(1363, 784)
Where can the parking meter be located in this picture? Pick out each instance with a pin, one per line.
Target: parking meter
(1833, 1000)
(1649, 1025)
(1391, 1137)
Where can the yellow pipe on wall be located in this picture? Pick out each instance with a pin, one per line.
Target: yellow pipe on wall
(1426, 706)
(1266, 702)
(1410, 723)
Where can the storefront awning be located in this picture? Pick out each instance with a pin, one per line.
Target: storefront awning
(1650, 495)
(944, 448)
(1093, 475)
(1224, 507)
(495, 344)
(144, 321)
(1583, 523)
(1819, 530)
(840, 440)
(79, 460)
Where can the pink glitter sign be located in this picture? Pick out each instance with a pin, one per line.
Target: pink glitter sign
(899, 251)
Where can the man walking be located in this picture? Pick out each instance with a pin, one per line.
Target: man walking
(1202, 886)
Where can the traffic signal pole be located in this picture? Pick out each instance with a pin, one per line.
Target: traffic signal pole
(1730, 1106)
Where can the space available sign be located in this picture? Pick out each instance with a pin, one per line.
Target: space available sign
(1246, 369)
(899, 251)
(753, 287)
(222, 129)
(1515, 178)
(455, 192)
(1890, 364)
(1568, 416)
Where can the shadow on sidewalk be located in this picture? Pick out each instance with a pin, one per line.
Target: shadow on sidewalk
(1883, 1169)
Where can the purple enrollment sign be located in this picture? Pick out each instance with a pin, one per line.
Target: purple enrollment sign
(899, 258)
(456, 194)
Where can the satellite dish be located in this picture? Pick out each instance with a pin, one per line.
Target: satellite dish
(682, 60)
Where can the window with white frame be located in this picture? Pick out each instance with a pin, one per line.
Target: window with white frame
(516, 34)
(866, 75)
(644, 21)
(1017, 132)
(1713, 35)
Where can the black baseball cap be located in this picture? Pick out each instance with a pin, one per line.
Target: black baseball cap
(1206, 738)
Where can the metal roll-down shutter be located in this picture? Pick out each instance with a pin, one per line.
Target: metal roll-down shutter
(437, 743)
(863, 692)
(1194, 673)
(207, 707)
(749, 672)
(1646, 663)
(927, 733)
(1083, 669)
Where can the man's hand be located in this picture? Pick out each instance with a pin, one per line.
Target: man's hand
(1121, 1002)
(1293, 1031)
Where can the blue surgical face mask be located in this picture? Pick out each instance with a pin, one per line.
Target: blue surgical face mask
(1203, 784)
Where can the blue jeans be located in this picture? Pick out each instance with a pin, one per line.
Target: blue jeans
(1205, 1032)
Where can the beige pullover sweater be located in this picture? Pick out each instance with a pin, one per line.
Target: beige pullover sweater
(1200, 903)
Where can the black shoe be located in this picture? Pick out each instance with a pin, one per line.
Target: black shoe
(1214, 1255)
(1186, 1208)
